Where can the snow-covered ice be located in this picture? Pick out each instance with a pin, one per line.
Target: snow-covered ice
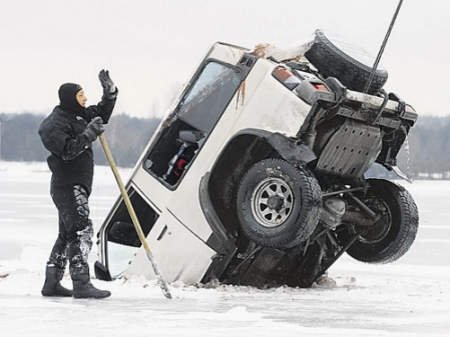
(410, 297)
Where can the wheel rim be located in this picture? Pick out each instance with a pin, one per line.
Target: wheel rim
(381, 228)
(272, 202)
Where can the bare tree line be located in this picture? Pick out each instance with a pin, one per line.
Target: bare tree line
(427, 150)
(19, 139)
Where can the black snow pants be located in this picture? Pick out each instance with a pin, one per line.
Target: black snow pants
(74, 240)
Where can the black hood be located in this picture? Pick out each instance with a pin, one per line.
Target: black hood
(67, 98)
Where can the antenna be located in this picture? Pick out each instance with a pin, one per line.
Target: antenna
(383, 45)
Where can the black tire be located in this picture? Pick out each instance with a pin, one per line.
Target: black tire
(333, 62)
(292, 220)
(395, 232)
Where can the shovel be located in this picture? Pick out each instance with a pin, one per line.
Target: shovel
(137, 226)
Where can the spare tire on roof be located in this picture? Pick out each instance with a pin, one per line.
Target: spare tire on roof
(332, 61)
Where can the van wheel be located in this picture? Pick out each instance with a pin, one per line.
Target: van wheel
(393, 234)
(278, 204)
(333, 62)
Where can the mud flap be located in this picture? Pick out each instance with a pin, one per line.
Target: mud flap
(101, 272)
(400, 173)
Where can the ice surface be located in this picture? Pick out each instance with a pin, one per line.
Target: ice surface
(410, 297)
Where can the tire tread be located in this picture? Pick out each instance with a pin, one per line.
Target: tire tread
(409, 221)
(307, 220)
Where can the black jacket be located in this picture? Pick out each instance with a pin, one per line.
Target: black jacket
(71, 160)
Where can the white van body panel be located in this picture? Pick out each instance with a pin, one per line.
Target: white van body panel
(174, 247)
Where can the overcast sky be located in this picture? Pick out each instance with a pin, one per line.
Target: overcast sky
(151, 47)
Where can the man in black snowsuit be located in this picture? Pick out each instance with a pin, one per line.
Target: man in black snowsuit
(68, 133)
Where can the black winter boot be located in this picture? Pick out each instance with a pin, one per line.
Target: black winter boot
(82, 286)
(87, 290)
(52, 287)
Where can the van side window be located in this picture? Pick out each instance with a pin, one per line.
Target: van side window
(195, 117)
(208, 97)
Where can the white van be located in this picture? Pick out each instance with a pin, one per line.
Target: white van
(256, 175)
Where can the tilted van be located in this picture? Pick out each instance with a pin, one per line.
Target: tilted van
(256, 175)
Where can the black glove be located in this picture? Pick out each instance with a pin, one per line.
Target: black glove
(108, 85)
(94, 128)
